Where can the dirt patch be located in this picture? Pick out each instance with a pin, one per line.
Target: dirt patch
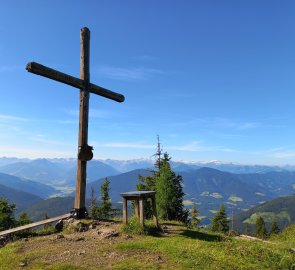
(93, 248)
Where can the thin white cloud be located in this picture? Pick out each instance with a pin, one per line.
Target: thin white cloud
(23, 152)
(6, 118)
(273, 153)
(192, 147)
(42, 139)
(234, 124)
(247, 126)
(284, 154)
(219, 123)
(125, 145)
(128, 74)
(199, 147)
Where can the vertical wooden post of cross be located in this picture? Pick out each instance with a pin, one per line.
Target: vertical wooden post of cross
(83, 123)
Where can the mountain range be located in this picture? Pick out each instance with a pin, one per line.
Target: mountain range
(239, 187)
(21, 199)
(29, 186)
(58, 166)
(55, 172)
(210, 188)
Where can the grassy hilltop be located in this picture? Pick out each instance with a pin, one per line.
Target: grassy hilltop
(107, 247)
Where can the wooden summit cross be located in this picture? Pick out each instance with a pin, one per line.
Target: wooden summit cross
(84, 150)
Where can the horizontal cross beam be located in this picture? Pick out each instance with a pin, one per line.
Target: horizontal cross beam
(44, 71)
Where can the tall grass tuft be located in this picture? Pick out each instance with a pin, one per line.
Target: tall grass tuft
(133, 227)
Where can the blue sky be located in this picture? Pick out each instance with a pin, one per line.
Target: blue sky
(215, 79)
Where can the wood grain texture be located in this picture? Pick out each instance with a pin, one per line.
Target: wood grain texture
(35, 224)
(83, 118)
(53, 74)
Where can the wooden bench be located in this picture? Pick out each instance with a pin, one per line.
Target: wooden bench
(139, 197)
(34, 225)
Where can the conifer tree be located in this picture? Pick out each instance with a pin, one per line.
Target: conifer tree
(47, 227)
(219, 221)
(7, 219)
(104, 210)
(165, 192)
(169, 193)
(23, 219)
(247, 229)
(147, 183)
(92, 202)
(195, 221)
(274, 228)
(260, 229)
(168, 187)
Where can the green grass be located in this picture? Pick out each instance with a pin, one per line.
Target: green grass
(192, 249)
(46, 266)
(181, 248)
(128, 264)
(8, 257)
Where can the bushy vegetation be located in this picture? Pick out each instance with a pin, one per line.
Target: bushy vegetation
(7, 219)
(219, 221)
(169, 191)
(104, 210)
(274, 228)
(133, 227)
(260, 229)
(194, 220)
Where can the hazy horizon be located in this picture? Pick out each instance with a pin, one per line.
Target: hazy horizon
(152, 160)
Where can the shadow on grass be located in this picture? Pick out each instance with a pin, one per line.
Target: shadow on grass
(202, 236)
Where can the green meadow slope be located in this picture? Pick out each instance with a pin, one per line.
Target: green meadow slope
(280, 209)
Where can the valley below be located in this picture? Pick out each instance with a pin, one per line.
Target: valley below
(46, 186)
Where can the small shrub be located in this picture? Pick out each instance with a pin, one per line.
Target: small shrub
(133, 227)
(233, 233)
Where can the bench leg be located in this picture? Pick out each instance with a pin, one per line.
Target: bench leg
(141, 213)
(124, 211)
(136, 208)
